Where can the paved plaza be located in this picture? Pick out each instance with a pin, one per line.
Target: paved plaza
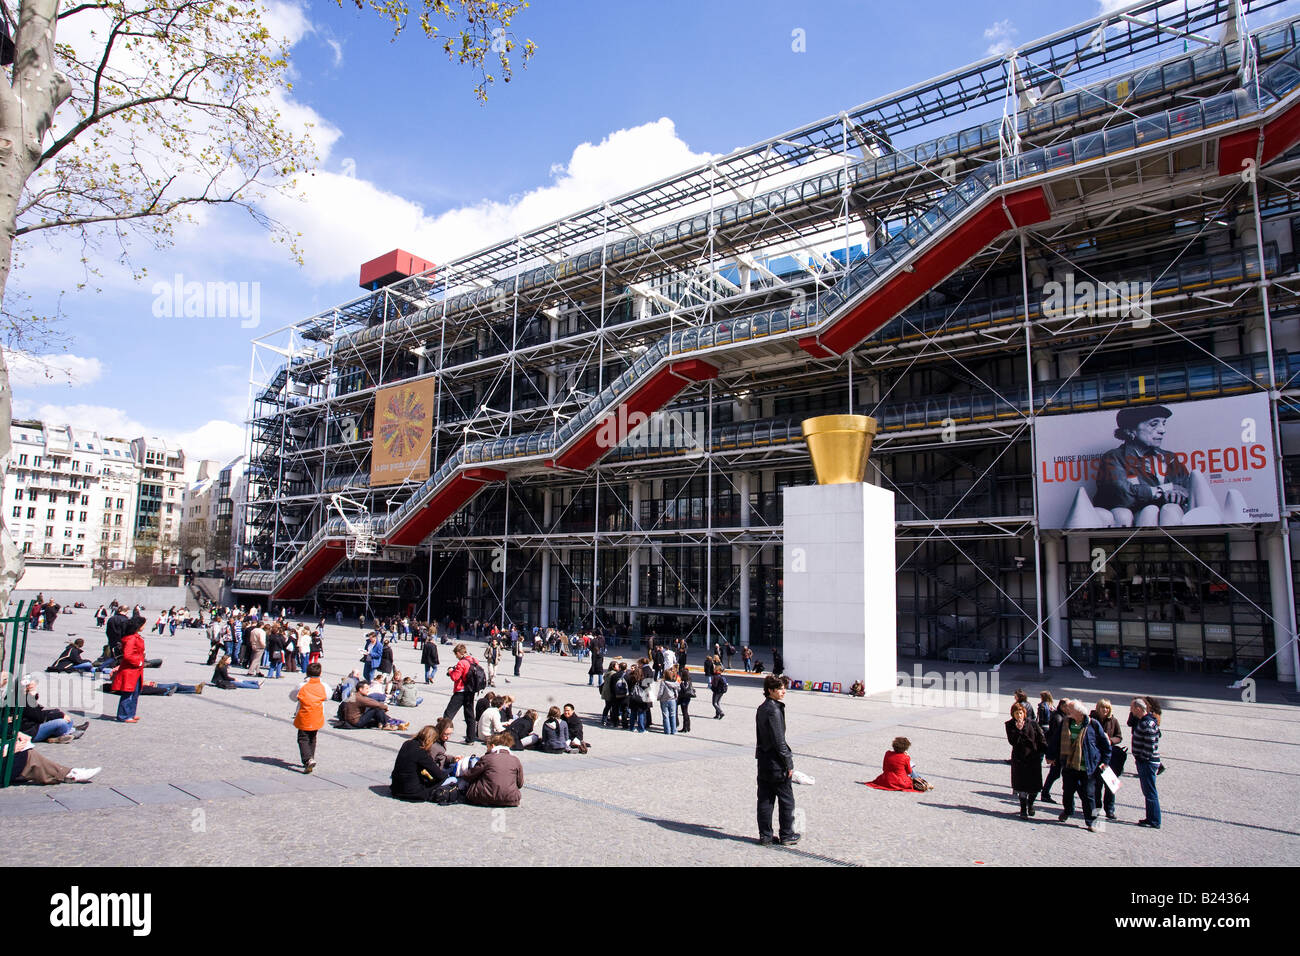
(213, 779)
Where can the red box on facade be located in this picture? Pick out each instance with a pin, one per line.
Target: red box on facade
(390, 267)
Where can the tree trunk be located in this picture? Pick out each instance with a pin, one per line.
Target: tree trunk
(11, 180)
(28, 98)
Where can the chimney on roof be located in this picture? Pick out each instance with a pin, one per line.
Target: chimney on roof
(390, 267)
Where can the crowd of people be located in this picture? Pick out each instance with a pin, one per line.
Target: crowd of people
(1083, 747)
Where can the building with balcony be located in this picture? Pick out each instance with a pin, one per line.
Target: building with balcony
(119, 487)
(159, 503)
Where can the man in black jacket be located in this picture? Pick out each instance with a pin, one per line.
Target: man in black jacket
(115, 629)
(429, 658)
(775, 765)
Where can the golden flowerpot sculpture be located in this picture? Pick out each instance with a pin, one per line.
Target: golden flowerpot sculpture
(840, 446)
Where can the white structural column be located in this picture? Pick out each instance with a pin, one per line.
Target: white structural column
(1053, 591)
(1281, 607)
(634, 557)
(544, 618)
(1279, 597)
(840, 607)
(742, 557)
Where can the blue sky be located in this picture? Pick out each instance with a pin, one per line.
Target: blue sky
(618, 94)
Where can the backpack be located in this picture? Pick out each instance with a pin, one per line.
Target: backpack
(475, 677)
(719, 684)
(338, 696)
(620, 687)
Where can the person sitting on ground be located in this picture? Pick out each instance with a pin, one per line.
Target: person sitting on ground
(521, 729)
(221, 677)
(348, 686)
(421, 766)
(555, 735)
(456, 766)
(47, 724)
(489, 721)
(29, 766)
(406, 696)
(362, 710)
(105, 661)
(575, 728)
(482, 704)
(507, 707)
(897, 771)
(496, 780)
(71, 660)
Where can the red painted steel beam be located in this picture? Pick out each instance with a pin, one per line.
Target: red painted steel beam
(1023, 208)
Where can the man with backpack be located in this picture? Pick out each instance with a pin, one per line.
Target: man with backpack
(467, 679)
(620, 695)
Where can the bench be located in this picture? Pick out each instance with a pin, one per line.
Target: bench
(972, 655)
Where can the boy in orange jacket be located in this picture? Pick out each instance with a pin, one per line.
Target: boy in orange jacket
(310, 716)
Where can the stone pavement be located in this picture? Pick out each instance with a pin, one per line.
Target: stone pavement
(213, 779)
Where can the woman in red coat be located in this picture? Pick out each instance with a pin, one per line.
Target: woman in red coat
(128, 678)
(897, 768)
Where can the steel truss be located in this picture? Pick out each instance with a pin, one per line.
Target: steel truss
(520, 361)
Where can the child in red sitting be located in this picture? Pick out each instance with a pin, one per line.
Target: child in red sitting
(897, 771)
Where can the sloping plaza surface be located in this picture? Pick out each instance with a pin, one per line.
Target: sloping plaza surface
(213, 779)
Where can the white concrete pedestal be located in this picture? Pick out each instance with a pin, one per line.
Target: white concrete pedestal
(840, 609)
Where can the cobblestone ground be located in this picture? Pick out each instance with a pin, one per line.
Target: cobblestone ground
(213, 779)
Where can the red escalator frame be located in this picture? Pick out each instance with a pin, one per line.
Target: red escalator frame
(656, 392)
(1023, 208)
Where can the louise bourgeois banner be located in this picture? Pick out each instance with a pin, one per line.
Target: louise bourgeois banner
(1182, 463)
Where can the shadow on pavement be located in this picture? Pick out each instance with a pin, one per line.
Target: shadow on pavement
(274, 762)
(697, 829)
(977, 811)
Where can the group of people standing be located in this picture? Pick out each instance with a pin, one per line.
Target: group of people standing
(1083, 749)
(630, 692)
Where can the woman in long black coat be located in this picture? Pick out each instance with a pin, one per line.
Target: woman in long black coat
(1027, 748)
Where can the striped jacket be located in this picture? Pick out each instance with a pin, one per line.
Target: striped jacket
(1146, 739)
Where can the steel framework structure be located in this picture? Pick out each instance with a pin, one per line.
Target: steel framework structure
(911, 238)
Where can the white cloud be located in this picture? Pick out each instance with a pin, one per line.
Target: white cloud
(287, 20)
(216, 439)
(30, 370)
(1001, 37)
(374, 220)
